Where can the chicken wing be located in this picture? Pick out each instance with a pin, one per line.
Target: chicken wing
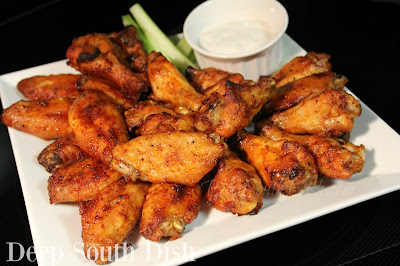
(165, 122)
(99, 55)
(302, 66)
(49, 87)
(94, 83)
(169, 85)
(98, 124)
(47, 119)
(334, 157)
(201, 79)
(60, 153)
(79, 181)
(176, 157)
(283, 166)
(330, 113)
(108, 218)
(236, 187)
(230, 106)
(294, 92)
(168, 209)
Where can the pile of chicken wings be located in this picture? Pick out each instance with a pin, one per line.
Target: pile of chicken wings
(137, 142)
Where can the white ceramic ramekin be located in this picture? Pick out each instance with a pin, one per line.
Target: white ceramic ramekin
(261, 61)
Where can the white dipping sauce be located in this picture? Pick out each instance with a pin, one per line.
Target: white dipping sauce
(236, 36)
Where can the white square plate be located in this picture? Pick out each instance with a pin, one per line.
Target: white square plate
(56, 229)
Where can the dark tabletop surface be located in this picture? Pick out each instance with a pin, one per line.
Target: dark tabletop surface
(361, 36)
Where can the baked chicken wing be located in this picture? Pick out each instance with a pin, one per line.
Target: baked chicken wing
(169, 85)
(168, 209)
(49, 87)
(110, 217)
(236, 187)
(201, 79)
(283, 166)
(165, 122)
(176, 157)
(107, 56)
(334, 157)
(47, 119)
(330, 113)
(98, 124)
(302, 66)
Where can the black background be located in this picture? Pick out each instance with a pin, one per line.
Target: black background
(361, 36)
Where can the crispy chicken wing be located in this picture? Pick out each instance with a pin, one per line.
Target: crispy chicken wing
(334, 157)
(60, 153)
(302, 66)
(330, 113)
(47, 119)
(201, 79)
(230, 106)
(169, 85)
(294, 92)
(107, 56)
(98, 124)
(108, 218)
(49, 87)
(283, 166)
(94, 83)
(79, 181)
(176, 157)
(165, 122)
(168, 209)
(236, 187)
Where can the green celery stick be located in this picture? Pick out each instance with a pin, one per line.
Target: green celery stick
(127, 20)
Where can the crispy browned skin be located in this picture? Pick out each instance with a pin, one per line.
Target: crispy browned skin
(334, 157)
(330, 113)
(94, 83)
(136, 115)
(294, 92)
(100, 55)
(98, 124)
(230, 106)
(79, 181)
(47, 119)
(60, 153)
(201, 79)
(108, 219)
(49, 87)
(165, 122)
(236, 187)
(176, 157)
(169, 85)
(168, 209)
(302, 66)
(283, 166)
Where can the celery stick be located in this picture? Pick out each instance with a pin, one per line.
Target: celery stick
(127, 20)
(183, 45)
(159, 40)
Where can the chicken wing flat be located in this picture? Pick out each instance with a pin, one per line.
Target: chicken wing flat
(334, 157)
(110, 217)
(236, 187)
(294, 92)
(230, 107)
(201, 79)
(94, 83)
(302, 66)
(165, 122)
(330, 113)
(136, 115)
(176, 157)
(80, 181)
(98, 124)
(49, 87)
(169, 85)
(99, 55)
(47, 119)
(60, 153)
(168, 209)
(283, 166)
